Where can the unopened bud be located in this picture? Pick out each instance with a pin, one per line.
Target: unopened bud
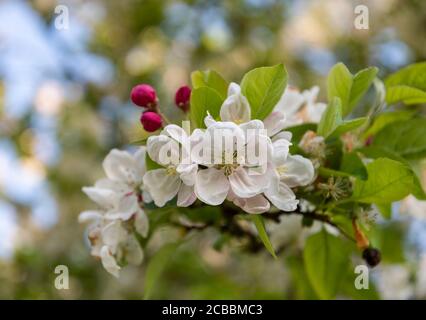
(144, 95)
(151, 121)
(182, 97)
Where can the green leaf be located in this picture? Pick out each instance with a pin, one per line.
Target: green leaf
(347, 126)
(339, 83)
(406, 94)
(263, 88)
(156, 266)
(349, 88)
(385, 118)
(260, 226)
(361, 82)
(151, 164)
(388, 181)
(331, 118)
(405, 138)
(377, 152)
(352, 164)
(407, 85)
(301, 285)
(385, 209)
(211, 79)
(203, 100)
(326, 260)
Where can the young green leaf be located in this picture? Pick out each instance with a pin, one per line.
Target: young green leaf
(405, 138)
(388, 181)
(349, 88)
(211, 79)
(203, 100)
(385, 118)
(352, 164)
(331, 118)
(347, 126)
(260, 226)
(156, 266)
(339, 83)
(326, 259)
(407, 85)
(263, 88)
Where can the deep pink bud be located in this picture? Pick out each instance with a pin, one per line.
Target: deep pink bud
(151, 121)
(144, 95)
(182, 97)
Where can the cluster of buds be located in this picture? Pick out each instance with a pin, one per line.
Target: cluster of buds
(145, 96)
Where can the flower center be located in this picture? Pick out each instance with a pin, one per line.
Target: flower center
(282, 170)
(171, 171)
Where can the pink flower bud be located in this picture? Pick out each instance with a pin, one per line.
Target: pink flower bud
(144, 95)
(182, 97)
(151, 121)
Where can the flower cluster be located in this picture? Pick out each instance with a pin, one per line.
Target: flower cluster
(233, 158)
(120, 220)
(213, 173)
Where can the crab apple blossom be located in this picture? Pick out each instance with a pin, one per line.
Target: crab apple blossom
(120, 198)
(258, 156)
(143, 95)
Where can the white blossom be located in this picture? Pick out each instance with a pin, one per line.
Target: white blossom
(119, 197)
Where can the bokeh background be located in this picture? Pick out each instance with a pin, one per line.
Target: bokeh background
(64, 103)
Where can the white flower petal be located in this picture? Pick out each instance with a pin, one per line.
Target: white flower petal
(287, 135)
(187, 173)
(280, 151)
(127, 206)
(90, 215)
(121, 166)
(103, 197)
(161, 186)
(235, 108)
(186, 196)
(119, 187)
(256, 204)
(142, 223)
(163, 150)
(113, 234)
(109, 263)
(299, 171)
(274, 122)
(234, 88)
(139, 157)
(209, 120)
(315, 111)
(146, 197)
(246, 183)
(134, 253)
(211, 186)
(281, 195)
(310, 95)
(176, 132)
(291, 101)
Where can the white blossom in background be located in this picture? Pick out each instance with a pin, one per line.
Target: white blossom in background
(120, 212)
(298, 107)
